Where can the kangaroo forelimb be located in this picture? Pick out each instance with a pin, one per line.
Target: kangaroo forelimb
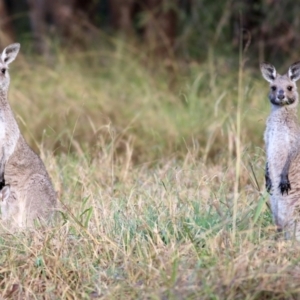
(268, 179)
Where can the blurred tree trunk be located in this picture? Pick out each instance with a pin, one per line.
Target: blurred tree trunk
(37, 14)
(160, 27)
(47, 15)
(248, 17)
(122, 15)
(7, 34)
(66, 18)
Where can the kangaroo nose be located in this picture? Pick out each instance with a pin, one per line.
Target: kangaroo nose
(280, 95)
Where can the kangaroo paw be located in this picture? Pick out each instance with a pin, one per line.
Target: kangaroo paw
(268, 179)
(268, 185)
(284, 185)
(2, 184)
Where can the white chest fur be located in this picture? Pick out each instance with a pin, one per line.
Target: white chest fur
(2, 129)
(9, 135)
(278, 141)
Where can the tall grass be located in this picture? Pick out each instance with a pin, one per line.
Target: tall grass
(146, 170)
(87, 97)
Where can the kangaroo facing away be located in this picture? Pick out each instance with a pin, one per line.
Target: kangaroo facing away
(27, 192)
(282, 139)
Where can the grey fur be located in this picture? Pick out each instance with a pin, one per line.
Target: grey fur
(282, 139)
(28, 193)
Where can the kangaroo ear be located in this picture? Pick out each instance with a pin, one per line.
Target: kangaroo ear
(10, 53)
(294, 71)
(5, 192)
(268, 72)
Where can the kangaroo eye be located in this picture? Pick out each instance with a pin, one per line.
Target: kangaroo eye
(273, 88)
(3, 71)
(289, 88)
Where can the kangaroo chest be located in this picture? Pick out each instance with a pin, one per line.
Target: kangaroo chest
(2, 129)
(278, 144)
(9, 135)
(281, 140)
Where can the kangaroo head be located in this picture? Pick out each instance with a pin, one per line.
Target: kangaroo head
(283, 89)
(8, 55)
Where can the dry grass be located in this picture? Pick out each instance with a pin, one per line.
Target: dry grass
(146, 177)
